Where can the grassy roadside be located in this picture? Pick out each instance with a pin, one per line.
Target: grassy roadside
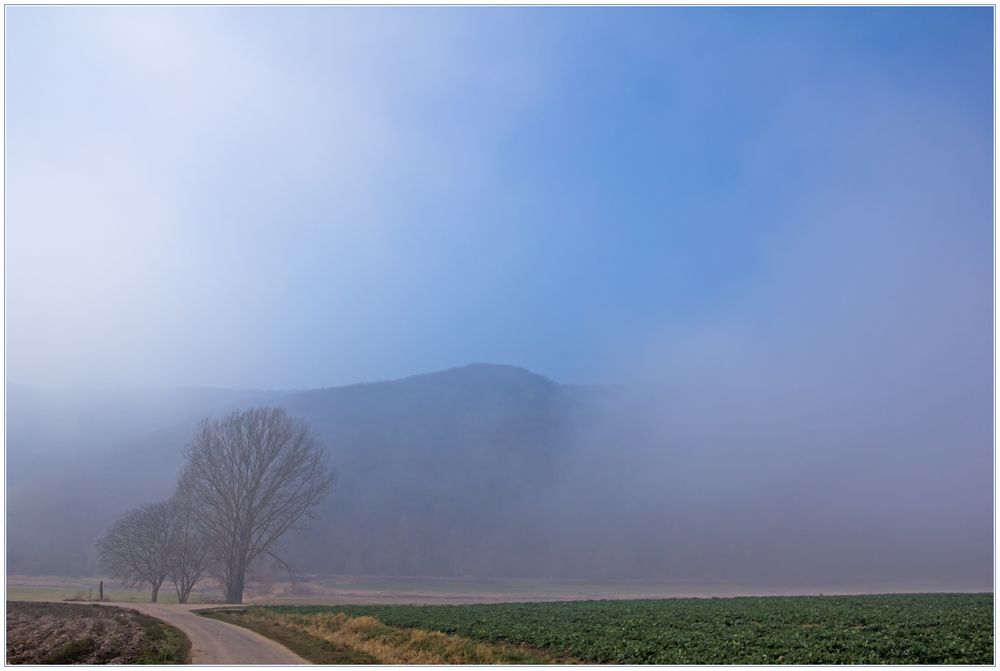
(162, 643)
(313, 648)
(336, 638)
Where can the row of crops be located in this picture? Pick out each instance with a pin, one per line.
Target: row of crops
(896, 629)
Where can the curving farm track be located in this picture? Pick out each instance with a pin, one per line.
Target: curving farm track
(214, 642)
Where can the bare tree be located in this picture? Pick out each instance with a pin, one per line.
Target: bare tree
(252, 476)
(188, 555)
(136, 547)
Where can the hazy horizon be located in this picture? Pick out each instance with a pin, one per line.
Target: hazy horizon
(404, 376)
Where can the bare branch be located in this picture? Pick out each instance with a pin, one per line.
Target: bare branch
(136, 548)
(251, 477)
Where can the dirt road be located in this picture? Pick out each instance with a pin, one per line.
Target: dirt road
(214, 642)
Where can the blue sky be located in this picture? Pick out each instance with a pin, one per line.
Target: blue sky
(301, 197)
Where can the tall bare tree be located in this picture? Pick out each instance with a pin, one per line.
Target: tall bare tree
(252, 476)
(135, 549)
(188, 555)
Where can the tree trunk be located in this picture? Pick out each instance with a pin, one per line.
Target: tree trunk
(234, 590)
(156, 591)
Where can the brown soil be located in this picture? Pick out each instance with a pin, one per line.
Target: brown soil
(70, 633)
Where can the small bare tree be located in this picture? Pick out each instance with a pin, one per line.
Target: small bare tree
(252, 476)
(188, 554)
(136, 547)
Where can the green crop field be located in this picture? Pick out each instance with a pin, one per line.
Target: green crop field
(883, 629)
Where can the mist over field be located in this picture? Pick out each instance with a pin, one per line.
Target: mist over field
(731, 270)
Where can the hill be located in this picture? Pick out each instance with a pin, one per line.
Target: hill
(494, 471)
(427, 466)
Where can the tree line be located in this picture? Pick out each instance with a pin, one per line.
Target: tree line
(250, 477)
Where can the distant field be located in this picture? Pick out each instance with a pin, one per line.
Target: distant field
(81, 594)
(883, 629)
(72, 633)
(60, 588)
(90, 594)
(329, 590)
(320, 590)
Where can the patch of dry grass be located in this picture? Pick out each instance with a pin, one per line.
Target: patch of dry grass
(393, 645)
(317, 650)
